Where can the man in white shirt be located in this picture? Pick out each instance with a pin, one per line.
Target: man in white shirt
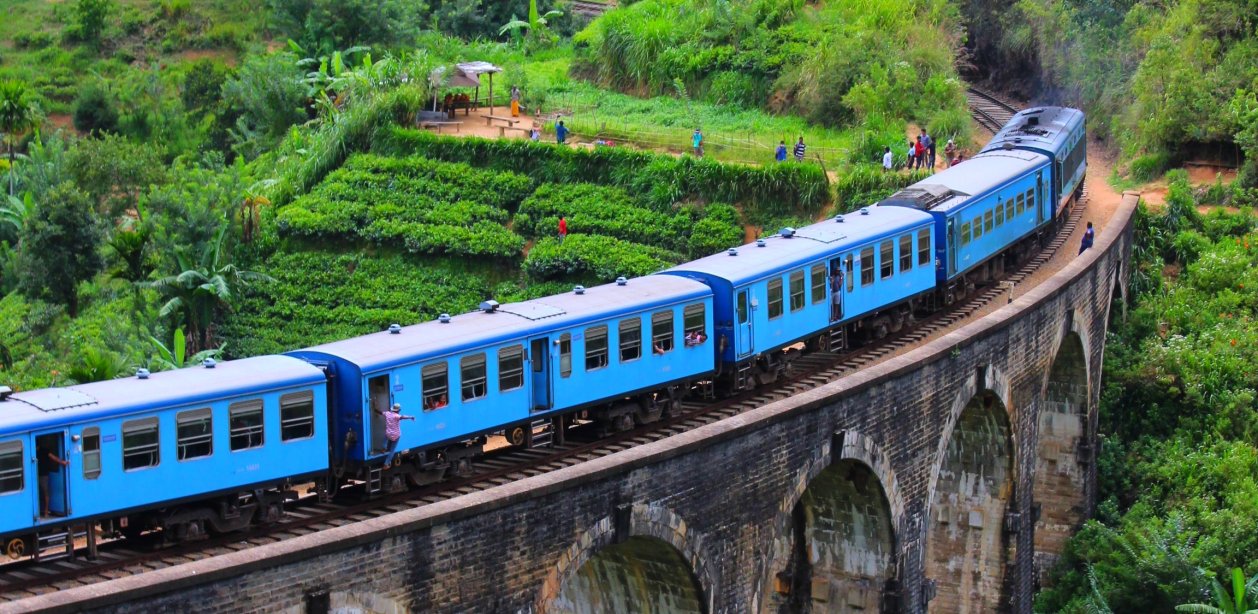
(887, 160)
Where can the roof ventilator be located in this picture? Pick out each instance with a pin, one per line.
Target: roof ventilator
(864, 210)
(210, 363)
(141, 373)
(787, 232)
(444, 318)
(395, 329)
(733, 251)
(621, 281)
(838, 218)
(578, 289)
(759, 242)
(5, 391)
(489, 306)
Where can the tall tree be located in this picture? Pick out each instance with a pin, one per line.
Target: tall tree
(19, 112)
(61, 246)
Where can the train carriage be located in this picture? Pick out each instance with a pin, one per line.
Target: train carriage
(156, 448)
(1056, 132)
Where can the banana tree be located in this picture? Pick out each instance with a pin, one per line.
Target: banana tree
(1238, 602)
(536, 25)
(170, 358)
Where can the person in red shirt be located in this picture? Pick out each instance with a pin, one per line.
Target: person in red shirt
(919, 151)
(563, 228)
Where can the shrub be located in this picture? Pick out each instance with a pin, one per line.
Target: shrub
(33, 40)
(594, 259)
(94, 111)
(866, 184)
(1150, 167)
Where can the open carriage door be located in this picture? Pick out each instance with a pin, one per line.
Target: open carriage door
(539, 359)
(57, 484)
(743, 313)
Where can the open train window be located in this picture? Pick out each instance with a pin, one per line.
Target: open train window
(11, 465)
(906, 253)
(987, 222)
(818, 273)
(91, 453)
(436, 385)
(886, 258)
(194, 434)
(662, 332)
(797, 291)
(511, 368)
(140, 448)
(693, 319)
(923, 247)
(847, 271)
(472, 375)
(297, 415)
(246, 424)
(595, 347)
(1000, 214)
(867, 266)
(775, 298)
(565, 355)
(630, 339)
(965, 233)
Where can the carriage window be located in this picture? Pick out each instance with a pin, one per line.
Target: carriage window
(436, 385)
(987, 221)
(662, 331)
(886, 259)
(906, 253)
(91, 452)
(472, 375)
(694, 319)
(965, 233)
(775, 298)
(630, 339)
(246, 424)
(595, 347)
(977, 225)
(923, 247)
(139, 444)
(1000, 214)
(818, 283)
(743, 313)
(1021, 204)
(511, 368)
(1009, 209)
(297, 415)
(11, 466)
(565, 355)
(1030, 199)
(797, 290)
(194, 434)
(847, 266)
(867, 266)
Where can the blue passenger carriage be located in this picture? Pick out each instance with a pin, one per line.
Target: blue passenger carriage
(621, 352)
(854, 273)
(1056, 132)
(187, 451)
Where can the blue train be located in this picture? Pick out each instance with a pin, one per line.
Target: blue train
(218, 448)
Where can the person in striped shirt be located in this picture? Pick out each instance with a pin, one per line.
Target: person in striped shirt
(799, 150)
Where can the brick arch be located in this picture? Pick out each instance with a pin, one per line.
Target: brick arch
(966, 553)
(645, 521)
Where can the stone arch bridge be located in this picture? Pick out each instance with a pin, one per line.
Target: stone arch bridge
(943, 480)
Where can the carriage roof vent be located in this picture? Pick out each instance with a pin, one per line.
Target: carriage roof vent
(5, 391)
(210, 363)
(864, 210)
(141, 373)
(489, 306)
(787, 232)
(733, 251)
(838, 218)
(759, 242)
(578, 289)
(395, 329)
(444, 318)
(620, 281)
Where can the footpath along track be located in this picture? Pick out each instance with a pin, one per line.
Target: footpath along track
(122, 558)
(989, 111)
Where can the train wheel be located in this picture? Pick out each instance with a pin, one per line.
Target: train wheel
(624, 422)
(16, 548)
(516, 436)
(396, 484)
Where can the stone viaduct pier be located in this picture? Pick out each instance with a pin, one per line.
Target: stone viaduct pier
(946, 479)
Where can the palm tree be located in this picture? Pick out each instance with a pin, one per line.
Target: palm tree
(202, 289)
(1236, 603)
(18, 113)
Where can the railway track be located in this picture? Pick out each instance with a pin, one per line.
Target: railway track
(122, 558)
(989, 111)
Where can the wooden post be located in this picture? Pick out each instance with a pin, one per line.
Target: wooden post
(491, 93)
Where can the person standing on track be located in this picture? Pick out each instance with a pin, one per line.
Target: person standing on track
(799, 150)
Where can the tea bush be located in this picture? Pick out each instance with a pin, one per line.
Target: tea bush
(594, 259)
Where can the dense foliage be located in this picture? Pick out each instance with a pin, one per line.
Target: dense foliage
(594, 259)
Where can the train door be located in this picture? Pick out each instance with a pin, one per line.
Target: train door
(836, 290)
(1040, 201)
(743, 309)
(953, 243)
(53, 484)
(539, 358)
(378, 401)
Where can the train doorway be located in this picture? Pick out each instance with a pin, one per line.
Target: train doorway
(745, 345)
(836, 290)
(539, 357)
(52, 468)
(378, 391)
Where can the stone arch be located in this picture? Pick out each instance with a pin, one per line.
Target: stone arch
(657, 545)
(1060, 487)
(968, 547)
(837, 547)
(356, 602)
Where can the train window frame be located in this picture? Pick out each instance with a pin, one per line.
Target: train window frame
(662, 333)
(742, 307)
(242, 410)
(185, 441)
(818, 272)
(437, 396)
(694, 321)
(565, 355)
(776, 308)
(471, 381)
(629, 339)
(923, 247)
(1030, 198)
(297, 411)
(965, 233)
(1009, 213)
(976, 227)
(91, 468)
(886, 259)
(988, 221)
(796, 280)
(1021, 200)
(596, 350)
(1000, 214)
(14, 449)
(511, 367)
(906, 252)
(867, 266)
(145, 426)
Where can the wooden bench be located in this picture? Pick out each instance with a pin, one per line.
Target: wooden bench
(439, 125)
(502, 130)
(510, 121)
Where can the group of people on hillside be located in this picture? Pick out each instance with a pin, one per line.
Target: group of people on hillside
(921, 154)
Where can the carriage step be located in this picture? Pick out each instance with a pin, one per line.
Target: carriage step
(838, 339)
(56, 545)
(543, 433)
(375, 480)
